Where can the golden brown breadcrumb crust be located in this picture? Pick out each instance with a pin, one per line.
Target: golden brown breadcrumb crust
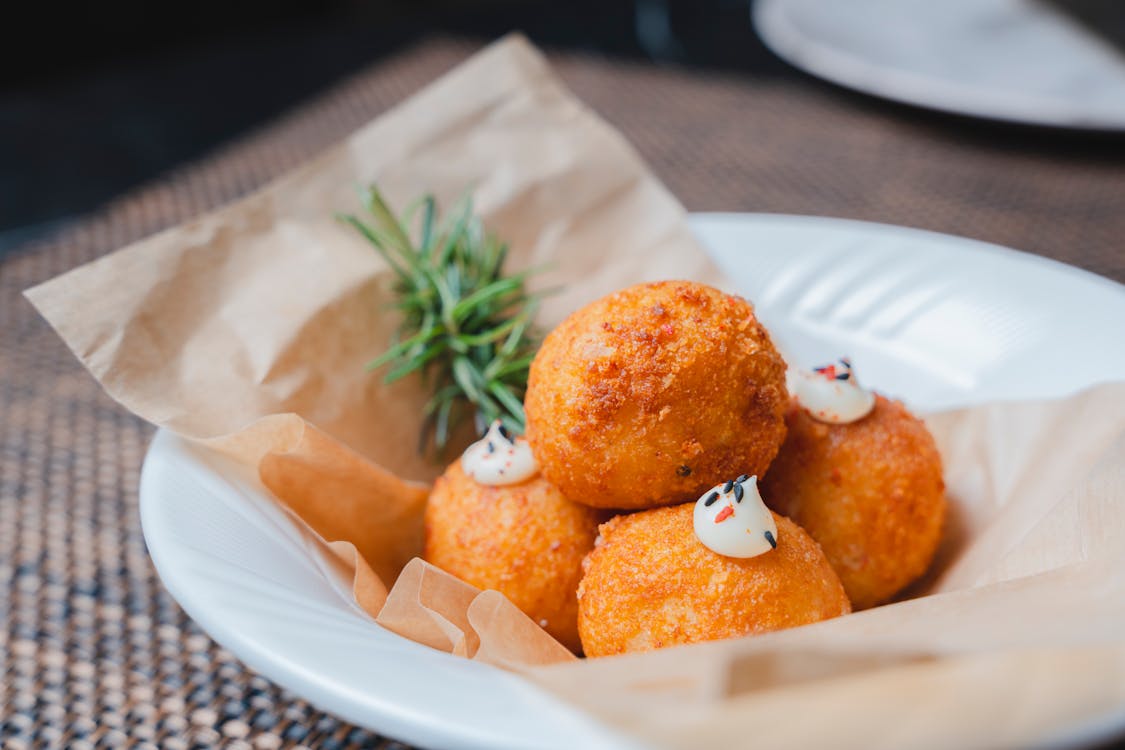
(653, 394)
(870, 492)
(526, 541)
(650, 583)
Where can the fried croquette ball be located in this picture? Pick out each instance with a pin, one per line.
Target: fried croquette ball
(650, 583)
(870, 492)
(641, 398)
(524, 540)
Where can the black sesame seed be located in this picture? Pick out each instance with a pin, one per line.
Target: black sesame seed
(741, 478)
(491, 447)
(771, 540)
(504, 431)
(711, 499)
(727, 487)
(684, 471)
(738, 492)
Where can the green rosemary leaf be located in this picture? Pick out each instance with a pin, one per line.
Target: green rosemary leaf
(485, 295)
(454, 235)
(406, 218)
(449, 392)
(448, 297)
(487, 337)
(429, 207)
(404, 346)
(517, 335)
(465, 325)
(511, 368)
(468, 378)
(415, 363)
(375, 240)
(442, 422)
(387, 220)
(509, 402)
(500, 255)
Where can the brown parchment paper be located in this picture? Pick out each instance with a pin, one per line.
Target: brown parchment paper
(247, 330)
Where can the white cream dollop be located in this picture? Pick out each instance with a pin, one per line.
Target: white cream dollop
(832, 393)
(731, 519)
(498, 458)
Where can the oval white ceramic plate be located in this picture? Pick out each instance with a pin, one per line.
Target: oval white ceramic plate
(1013, 60)
(935, 319)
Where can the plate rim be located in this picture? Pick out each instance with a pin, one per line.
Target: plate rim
(984, 246)
(397, 721)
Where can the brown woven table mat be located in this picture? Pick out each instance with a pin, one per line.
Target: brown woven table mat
(95, 653)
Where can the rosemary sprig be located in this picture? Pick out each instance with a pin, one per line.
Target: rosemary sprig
(466, 327)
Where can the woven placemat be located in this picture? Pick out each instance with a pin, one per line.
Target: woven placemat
(95, 652)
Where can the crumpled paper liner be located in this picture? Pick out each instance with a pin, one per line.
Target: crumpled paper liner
(247, 330)
(430, 606)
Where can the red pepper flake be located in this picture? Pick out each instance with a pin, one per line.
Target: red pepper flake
(724, 514)
(829, 372)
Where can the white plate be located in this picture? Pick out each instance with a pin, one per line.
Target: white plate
(936, 319)
(1014, 60)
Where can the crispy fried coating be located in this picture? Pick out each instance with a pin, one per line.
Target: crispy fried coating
(526, 541)
(646, 396)
(651, 583)
(870, 492)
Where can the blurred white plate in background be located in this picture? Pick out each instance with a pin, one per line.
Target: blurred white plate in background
(935, 319)
(1014, 60)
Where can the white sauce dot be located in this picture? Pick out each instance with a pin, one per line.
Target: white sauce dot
(832, 394)
(731, 527)
(499, 459)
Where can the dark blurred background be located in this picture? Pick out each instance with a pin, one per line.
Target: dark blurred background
(96, 98)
